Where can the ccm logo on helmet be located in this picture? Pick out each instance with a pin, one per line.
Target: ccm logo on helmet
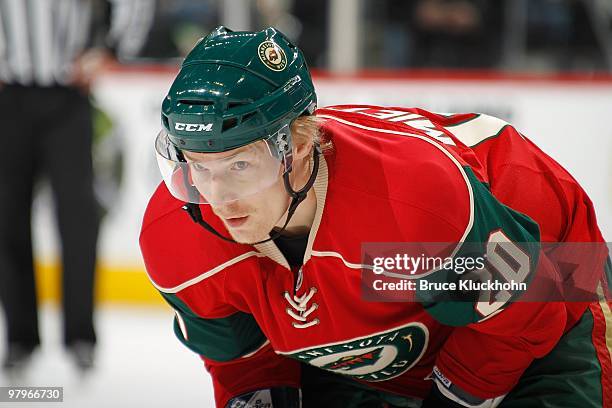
(193, 127)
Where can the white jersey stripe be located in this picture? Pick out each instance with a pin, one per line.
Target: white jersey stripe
(62, 14)
(206, 274)
(478, 129)
(42, 41)
(344, 261)
(4, 73)
(69, 48)
(18, 49)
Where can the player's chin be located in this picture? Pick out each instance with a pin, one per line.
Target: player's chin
(247, 235)
(248, 239)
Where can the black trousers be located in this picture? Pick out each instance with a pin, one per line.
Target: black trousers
(47, 131)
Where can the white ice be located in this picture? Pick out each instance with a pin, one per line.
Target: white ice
(139, 363)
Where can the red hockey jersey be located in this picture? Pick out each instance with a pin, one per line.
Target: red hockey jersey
(394, 175)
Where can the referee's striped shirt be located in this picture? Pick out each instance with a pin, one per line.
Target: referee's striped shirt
(39, 39)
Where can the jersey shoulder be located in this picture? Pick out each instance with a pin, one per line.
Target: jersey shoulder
(179, 253)
(389, 163)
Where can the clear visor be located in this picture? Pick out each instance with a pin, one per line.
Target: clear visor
(217, 178)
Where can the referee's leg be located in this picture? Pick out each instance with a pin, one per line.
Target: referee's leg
(68, 162)
(17, 171)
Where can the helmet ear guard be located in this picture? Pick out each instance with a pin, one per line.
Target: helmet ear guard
(281, 147)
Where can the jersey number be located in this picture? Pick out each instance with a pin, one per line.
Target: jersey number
(507, 261)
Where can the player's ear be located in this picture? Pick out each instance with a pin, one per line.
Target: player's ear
(302, 137)
(302, 148)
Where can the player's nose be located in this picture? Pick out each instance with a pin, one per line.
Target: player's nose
(221, 192)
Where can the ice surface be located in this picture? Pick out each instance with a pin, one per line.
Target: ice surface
(139, 363)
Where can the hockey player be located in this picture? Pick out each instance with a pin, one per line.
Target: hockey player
(255, 239)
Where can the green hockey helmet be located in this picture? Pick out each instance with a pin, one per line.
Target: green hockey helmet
(234, 90)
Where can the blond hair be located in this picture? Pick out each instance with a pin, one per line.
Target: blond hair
(307, 129)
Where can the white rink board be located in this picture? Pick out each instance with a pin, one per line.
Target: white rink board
(571, 121)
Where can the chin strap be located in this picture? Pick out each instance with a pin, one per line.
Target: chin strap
(296, 198)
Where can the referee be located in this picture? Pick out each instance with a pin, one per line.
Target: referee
(50, 50)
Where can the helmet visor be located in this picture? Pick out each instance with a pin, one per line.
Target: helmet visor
(217, 178)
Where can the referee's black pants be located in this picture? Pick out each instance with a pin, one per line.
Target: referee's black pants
(46, 131)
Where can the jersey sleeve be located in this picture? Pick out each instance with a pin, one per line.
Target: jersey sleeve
(487, 359)
(234, 350)
(527, 179)
(505, 241)
(497, 335)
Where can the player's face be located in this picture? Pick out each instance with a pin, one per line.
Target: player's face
(251, 220)
(248, 219)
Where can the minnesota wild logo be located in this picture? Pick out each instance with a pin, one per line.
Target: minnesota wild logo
(376, 357)
(272, 56)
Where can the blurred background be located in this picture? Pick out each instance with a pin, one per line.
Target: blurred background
(543, 65)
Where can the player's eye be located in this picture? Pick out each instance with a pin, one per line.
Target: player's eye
(198, 167)
(240, 165)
